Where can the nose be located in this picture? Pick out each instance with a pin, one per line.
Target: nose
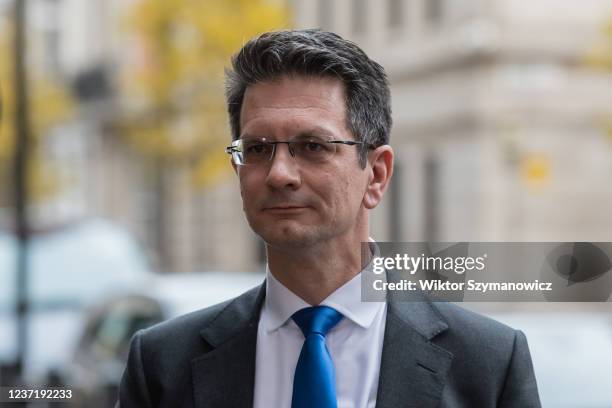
(284, 171)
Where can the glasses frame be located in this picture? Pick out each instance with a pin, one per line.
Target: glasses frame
(234, 148)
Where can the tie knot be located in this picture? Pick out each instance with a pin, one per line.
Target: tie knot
(317, 319)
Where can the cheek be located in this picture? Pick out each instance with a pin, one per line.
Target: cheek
(355, 191)
(347, 193)
(248, 190)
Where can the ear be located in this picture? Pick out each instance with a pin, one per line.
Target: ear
(380, 163)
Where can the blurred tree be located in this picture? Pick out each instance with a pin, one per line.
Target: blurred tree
(172, 90)
(49, 105)
(172, 81)
(600, 55)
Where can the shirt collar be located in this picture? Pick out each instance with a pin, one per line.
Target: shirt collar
(280, 303)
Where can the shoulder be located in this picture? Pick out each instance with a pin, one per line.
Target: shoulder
(470, 328)
(182, 327)
(491, 361)
(184, 334)
(472, 324)
(476, 340)
(160, 357)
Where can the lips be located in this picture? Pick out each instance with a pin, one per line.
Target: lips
(284, 208)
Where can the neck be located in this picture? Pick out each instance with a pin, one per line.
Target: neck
(315, 272)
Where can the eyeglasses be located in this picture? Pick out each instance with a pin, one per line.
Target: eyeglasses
(310, 150)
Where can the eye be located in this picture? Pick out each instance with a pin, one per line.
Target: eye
(314, 147)
(255, 148)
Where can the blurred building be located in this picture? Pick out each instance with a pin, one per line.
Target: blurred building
(80, 44)
(498, 119)
(498, 127)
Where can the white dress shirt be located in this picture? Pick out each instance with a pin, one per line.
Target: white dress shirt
(355, 345)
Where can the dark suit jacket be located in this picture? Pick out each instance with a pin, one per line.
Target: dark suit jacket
(434, 355)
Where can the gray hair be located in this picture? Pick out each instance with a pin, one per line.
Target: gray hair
(315, 52)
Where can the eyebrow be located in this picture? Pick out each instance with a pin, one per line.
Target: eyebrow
(316, 131)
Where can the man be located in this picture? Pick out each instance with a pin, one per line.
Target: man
(310, 117)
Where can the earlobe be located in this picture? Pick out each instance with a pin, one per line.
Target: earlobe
(234, 166)
(381, 167)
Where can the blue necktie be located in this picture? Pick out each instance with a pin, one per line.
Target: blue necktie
(314, 382)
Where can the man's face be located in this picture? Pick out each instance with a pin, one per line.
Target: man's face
(287, 202)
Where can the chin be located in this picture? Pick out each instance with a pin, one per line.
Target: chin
(290, 236)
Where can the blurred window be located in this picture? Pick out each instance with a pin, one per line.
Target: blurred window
(432, 196)
(52, 48)
(434, 11)
(326, 14)
(395, 15)
(358, 17)
(397, 209)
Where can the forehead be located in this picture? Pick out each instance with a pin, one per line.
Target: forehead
(294, 103)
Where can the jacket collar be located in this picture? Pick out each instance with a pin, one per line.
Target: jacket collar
(412, 372)
(225, 376)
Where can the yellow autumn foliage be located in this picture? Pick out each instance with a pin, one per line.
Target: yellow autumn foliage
(172, 85)
(599, 54)
(48, 104)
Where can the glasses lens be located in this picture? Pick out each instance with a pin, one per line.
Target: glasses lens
(255, 151)
(314, 150)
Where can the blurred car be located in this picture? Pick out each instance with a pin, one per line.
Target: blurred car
(101, 354)
(70, 268)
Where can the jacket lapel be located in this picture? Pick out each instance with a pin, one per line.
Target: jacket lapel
(225, 376)
(413, 370)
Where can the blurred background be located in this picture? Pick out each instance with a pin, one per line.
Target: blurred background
(119, 209)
